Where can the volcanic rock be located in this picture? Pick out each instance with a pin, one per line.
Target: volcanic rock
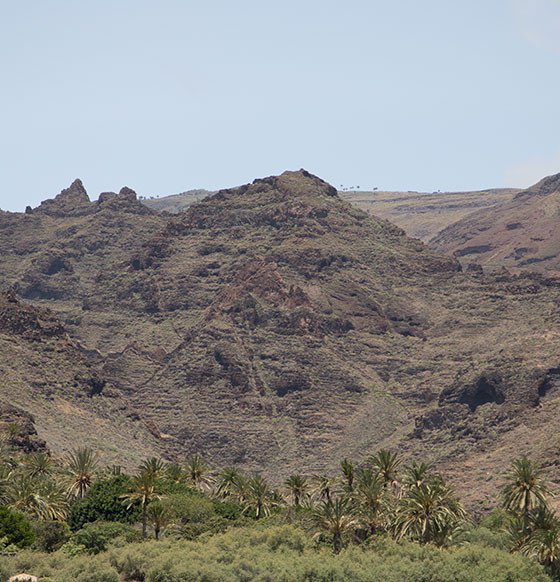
(276, 327)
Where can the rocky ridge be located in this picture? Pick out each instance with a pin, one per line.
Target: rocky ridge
(275, 326)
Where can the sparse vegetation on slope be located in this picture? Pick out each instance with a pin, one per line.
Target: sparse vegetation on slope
(273, 326)
(521, 234)
(425, 214)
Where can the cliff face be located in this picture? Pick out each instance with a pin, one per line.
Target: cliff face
(276, 327)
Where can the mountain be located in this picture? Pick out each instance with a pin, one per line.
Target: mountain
(276, 327)
(420, 214)
(520, 234)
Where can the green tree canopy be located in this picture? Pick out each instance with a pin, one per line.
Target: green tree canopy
(103, 501)
(15, 528)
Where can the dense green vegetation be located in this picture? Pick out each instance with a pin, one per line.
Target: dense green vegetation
(74, 520)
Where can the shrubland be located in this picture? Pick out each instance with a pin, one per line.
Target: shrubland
(380, 520)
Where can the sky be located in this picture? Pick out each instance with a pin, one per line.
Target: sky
(173, 95)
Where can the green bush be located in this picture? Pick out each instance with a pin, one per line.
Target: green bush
(87, 570)
(485, 537)
(51, 535)
(103, 502)
(134, 561)
(227, 509)
(496, 520)
(5, 572)
(169, 487)
(15, 528)
(272, 553)
(98, 575)
(187, 508)
(73, 549)
(96, 536)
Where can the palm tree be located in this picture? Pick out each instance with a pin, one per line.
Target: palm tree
(415, 474)
(387, 464)
(144, 489)
(323, 487)
(159, 517)
(258, 497)
(428, 513)
(54, 500)
(525, 489)
(542, 518)
(334, 518)
(112, 471)
(43, 498)
(518, 532)
(230, 483)
(297, 486)
(22, 494)
(7, 454)
(174, 472)
(81, 466)
(368, 498)
(197, 472)
(544, 544)
(154, 466)
(38, 465)
(5, 480)
(541, 539)
(347, 468)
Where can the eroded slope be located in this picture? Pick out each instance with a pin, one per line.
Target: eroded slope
(519, 235)
(277, 327)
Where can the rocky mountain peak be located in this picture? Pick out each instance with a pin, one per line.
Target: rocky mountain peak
(127, 193)
(297, 184)
(76, 191)
(126, 200)
(72, 201)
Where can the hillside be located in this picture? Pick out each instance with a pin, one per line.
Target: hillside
(420, 214)
(520, 234)
(424, 214)
(274, 325)
(51, 388)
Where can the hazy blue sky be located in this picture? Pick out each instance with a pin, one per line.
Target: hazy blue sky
(171, 95)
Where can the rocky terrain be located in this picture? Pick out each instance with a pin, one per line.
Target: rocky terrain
(520, 234)
(420, 214)
(272, 325)
(50, 388)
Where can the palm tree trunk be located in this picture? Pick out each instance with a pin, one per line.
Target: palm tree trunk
(336, 542)
(526, 509)
(144, 506)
